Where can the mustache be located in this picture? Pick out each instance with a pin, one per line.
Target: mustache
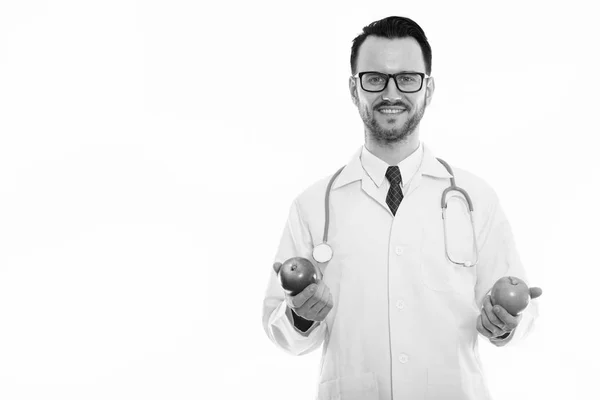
(390, 104)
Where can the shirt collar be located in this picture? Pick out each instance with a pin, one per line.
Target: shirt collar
(376, 167)
(355, 170)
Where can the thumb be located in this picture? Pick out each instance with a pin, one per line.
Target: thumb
(535, 292)
(277, 267)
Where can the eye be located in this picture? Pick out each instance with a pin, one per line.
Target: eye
(408, 78)
(375, 79)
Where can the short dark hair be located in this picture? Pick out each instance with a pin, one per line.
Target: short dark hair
(393, 28)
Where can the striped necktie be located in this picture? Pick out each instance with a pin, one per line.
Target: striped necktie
(394, 196)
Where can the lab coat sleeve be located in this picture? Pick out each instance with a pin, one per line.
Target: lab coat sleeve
(278, 324)
(498, 257)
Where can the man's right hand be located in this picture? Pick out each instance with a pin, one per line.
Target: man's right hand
(313, 303)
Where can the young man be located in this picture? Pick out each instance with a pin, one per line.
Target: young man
(399, 306)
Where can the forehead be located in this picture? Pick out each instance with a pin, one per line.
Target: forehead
(390, 55)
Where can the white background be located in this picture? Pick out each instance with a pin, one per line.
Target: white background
(150, 150)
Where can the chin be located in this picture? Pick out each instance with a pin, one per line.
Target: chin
(394, 122)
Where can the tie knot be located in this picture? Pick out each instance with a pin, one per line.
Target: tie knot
(393, 175)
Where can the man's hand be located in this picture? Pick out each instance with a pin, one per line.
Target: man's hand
(495, 321)
(313, 303)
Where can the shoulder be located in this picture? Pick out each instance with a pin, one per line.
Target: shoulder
(478, 188)
(313, 196)
(308, 207)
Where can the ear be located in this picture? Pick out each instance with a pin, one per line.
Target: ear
(429, 90)
(353, 90)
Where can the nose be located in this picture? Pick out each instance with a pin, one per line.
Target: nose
(391, 92)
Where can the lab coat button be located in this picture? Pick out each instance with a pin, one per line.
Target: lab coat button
(399, 250)
(403, 358)
(400, 304)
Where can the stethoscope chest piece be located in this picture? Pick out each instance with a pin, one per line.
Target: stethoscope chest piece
(322, 253)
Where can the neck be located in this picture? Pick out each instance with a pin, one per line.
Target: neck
(393, 153)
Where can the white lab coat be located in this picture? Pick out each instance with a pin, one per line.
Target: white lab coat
(403, 325)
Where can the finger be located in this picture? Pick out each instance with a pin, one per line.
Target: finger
(317, 313)
(300, 299)
(326, 308)
(487, 306)
(482, 329)
(485, 321)
(277, 267)
(322, 300)
(315, 298)
(510, 321)
(535, 292)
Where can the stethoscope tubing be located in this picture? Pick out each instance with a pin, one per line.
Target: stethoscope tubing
(443, 206)
(454, 187)
(326, 232)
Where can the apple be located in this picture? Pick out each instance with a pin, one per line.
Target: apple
(511, 293)
(296, 274)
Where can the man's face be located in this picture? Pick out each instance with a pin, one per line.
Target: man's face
(390, 56)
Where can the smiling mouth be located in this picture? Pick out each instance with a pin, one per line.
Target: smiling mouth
(391, 110)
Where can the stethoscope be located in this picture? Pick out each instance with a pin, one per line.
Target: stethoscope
(323, 252)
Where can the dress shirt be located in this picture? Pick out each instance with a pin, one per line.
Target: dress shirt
(376, 168)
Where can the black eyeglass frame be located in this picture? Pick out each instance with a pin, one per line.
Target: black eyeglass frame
(393, 76)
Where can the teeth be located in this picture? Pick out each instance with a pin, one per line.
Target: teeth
(390, 111)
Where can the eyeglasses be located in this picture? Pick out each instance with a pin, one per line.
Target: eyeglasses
(406, 82)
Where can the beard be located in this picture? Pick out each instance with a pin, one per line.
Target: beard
(387, 137)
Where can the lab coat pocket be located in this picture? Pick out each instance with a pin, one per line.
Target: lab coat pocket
(357, 387)
(444, 383)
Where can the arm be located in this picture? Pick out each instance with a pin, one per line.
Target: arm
(290, 332)
(499, 257)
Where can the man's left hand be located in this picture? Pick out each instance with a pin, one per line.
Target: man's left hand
(495, 321)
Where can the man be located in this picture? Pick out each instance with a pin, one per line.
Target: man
(397, 313)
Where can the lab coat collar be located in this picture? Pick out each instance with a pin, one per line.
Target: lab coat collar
(354, 171)
(431, 166)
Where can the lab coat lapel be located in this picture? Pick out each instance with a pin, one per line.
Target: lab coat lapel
(353, 172)
(369, 187)
(430, 167)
